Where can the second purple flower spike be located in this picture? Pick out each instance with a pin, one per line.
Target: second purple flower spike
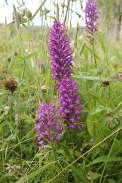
(70, 103)
(91, 16)
(48, 126)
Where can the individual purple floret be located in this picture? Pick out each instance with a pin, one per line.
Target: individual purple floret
(60, 52)
(40, 64)
(48, 126)
(70, 104)
(91, 16)
(119, 76)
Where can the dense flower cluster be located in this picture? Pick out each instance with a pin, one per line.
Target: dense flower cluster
(70, 104)
(60, 52)
(91, 16)
(48, 126)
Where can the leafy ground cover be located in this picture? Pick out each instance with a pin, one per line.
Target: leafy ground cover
(90, 155)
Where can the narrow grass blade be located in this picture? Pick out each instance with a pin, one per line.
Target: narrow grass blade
(26, 178)
(96, 78)
(79, 174)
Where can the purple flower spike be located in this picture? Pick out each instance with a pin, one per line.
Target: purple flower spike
(70, 104)
(60, 52)
(91, 16)
(48, 126)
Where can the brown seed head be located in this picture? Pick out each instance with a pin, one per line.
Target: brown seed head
(105, 83)
(10, 84)
(20, 16)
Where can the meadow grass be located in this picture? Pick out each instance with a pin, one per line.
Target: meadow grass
(92, 155)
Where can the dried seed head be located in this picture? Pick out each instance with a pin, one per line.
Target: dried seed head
(20, 16)
(10, 84)
(105, 83)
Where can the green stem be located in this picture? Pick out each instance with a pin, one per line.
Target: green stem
(76, 36)
(108, 158)
(94, 55)
(3, 159)
(38, 10)
(66, 11)
(23, 70)
(54, 152)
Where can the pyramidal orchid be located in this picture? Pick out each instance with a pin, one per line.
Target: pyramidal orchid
(48, 126)
(70, 103)
(91, 16)
(60, 52)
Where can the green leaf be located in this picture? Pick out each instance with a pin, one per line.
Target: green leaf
(90, 124)
(96, 78)
(26, 36)
(79, 174)
(41, 154)
(119, 106)
(67, 152)
(24, 26)
(21, 81)
(94, 176)
(102, 127)
(93, 53)
(3, 93)
(29, 56)
(102, 159)
(97, 110)
(6, 110)
(16, 17)
(19, 110)
(111, 181)
(20, 57)
(101, 40)
(24, 20)
(12, 99)
(82, 48)
(27, 178)
(54, 18)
